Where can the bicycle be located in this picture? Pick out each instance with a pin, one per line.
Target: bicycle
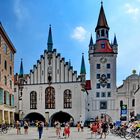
(3, 130)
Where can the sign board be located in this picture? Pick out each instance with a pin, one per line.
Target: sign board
(123, 110)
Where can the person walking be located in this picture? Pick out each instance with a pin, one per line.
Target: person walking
(40, 129)
(58, 128)
(26, 126)
(66, 132)
(94, 129)
(82, 126)
(18, 127)
(78, 126)
(104, 128)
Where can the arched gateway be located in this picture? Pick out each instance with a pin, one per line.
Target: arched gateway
(34, 117)
(62, 117)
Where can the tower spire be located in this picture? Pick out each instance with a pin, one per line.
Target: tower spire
(83, 68)
(91, 41)
(102, 22)
(115, 40)
(21, 69)
(102, 34)
(50, 43)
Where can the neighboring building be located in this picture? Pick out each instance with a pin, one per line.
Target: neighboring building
(127, 96)
(52, 90)
(102, 59)
(7, 52)
(137, 102)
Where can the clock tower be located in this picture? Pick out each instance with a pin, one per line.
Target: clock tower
(102, 59)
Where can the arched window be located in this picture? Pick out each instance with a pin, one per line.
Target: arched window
(33, 100)
(49, 98)
(121, 103)
(133, 102)
(67, 99)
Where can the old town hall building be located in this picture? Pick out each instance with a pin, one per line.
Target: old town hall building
(54, 91)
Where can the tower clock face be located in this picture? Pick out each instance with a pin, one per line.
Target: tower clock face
(103, 60)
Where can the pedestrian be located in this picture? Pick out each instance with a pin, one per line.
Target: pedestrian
(94, 129)
(104, 128)
(18, 127)
(40, 129)
(46, 125)
(82, 126)
(78, 126)
(58, 128)
(66, 132)
(26, 126)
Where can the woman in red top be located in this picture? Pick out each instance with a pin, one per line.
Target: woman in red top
(67, 130)
(94, 129)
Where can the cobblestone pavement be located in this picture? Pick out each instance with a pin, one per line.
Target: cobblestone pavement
(50, 135)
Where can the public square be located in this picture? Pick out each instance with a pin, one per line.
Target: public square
(49, 134)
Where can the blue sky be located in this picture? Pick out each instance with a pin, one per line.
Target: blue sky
(73, 21)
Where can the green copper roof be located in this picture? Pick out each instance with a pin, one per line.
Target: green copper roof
(21, 69)
(50, 43)
(83, 68)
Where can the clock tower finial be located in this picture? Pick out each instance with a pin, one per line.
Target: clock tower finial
(101, 2)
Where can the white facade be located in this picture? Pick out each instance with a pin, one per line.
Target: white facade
(62, 78)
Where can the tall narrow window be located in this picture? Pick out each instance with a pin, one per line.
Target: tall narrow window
(67, 99)
(4, 97)
(133, 102)
(33, 100)
(10, 70)
(5, 80)
(10, 99)
(5, 65)
(50, 98)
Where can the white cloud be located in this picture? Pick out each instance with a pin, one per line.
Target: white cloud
(20, 11)
(79, 33)
(132, 11)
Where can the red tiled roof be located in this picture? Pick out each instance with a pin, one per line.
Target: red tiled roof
(107, 47)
